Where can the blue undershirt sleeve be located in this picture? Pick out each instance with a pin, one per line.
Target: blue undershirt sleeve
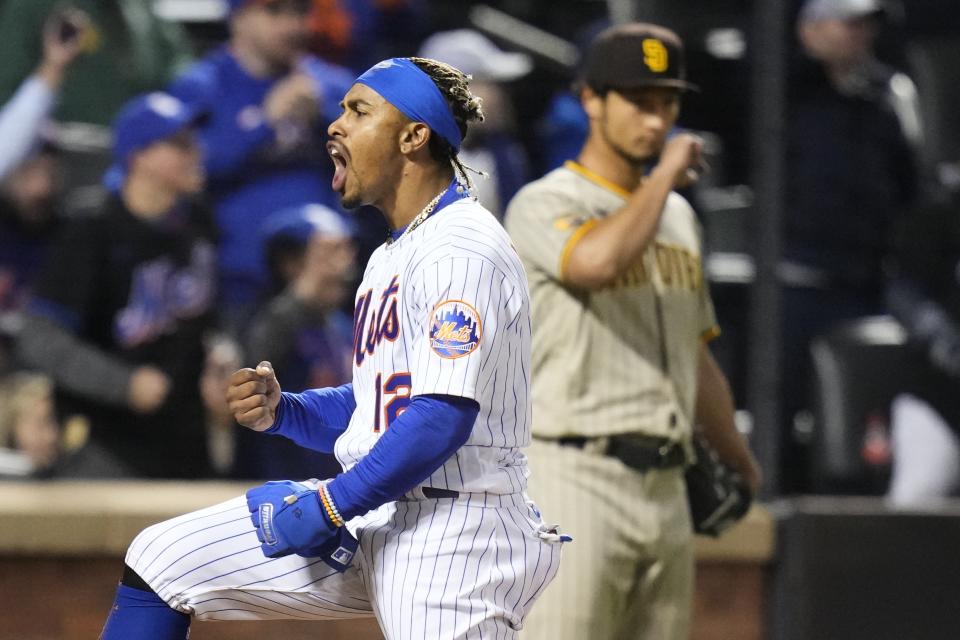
(417, 443)
(315, 418)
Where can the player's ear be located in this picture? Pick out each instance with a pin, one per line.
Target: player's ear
(413, 137)
(592, 102)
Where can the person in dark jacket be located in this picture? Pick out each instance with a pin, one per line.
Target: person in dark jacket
(851, 173)
(121, 307)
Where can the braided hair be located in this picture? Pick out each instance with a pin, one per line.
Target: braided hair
(465, 106)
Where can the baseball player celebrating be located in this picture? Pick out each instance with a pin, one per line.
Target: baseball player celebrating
(621, 371)
(431, 508)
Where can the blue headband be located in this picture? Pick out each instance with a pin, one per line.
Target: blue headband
(404, 85)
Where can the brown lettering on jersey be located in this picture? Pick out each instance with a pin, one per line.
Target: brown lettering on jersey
(665, 264)
(635, 276)
(677, 266)
(694, 272)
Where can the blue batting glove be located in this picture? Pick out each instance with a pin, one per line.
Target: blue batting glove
(288, 518)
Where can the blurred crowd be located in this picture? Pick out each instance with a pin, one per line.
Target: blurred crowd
(166, 214)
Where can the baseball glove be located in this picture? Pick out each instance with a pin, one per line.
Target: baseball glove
(718, 496)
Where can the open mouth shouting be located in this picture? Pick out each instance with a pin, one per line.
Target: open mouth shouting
(339, 156)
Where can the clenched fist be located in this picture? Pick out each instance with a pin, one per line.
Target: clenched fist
(253, 396)
(682, 156)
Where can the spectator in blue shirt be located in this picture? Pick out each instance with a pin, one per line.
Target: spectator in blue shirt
(268, 104)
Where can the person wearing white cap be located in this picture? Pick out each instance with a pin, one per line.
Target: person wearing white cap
(841, 9)
(492, 147)
(473, 53)
(840, 34)
(851, 131)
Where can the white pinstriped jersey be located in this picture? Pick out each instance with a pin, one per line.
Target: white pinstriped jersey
(445, 310)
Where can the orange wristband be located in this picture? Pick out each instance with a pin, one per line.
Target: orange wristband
(327, 501)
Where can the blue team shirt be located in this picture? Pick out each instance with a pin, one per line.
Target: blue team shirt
(252, 169)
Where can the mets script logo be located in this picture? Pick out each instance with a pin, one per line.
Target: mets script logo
(655, 55)
(384, 321)
(162, 293)
(455, 329)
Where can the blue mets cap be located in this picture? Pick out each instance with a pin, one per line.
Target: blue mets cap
(300, 223)
(143, 121)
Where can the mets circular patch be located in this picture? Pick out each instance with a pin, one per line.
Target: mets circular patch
(455, 329)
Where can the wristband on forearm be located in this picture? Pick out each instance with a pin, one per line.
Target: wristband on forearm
(329, 506)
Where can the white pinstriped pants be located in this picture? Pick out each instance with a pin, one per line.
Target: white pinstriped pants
(469, 567)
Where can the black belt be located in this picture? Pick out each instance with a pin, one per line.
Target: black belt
(639, 454)
(436, 494)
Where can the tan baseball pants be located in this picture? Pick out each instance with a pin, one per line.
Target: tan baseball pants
(629, 571)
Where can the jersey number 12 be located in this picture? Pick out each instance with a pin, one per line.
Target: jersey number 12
(394, 396)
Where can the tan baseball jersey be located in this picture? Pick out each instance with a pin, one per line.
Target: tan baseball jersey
(622, 359)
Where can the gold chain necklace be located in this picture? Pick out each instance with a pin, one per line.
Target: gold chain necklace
(420, 217)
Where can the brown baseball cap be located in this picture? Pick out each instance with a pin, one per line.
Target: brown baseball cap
(634, 55)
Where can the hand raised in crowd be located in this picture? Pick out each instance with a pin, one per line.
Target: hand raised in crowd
(682, 156)
(253, 396)
(149, 388)
(295, 98)
(63, 41)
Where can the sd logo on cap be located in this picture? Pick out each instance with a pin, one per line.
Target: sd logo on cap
(636, 55)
